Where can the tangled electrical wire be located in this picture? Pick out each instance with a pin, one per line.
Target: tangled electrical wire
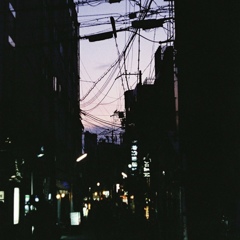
(87, 21)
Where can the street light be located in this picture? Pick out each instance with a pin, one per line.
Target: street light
(41, 153)
(75, 216)
(124, 175)
(81, 157)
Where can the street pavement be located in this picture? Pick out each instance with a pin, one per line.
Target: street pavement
(126, 230)
(106, 222)
(80, 233)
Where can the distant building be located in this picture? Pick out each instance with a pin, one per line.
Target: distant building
(104, 165)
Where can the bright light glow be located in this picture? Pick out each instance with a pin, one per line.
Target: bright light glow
(134, 147)
(98, 184)
(134, 164)
(124, 175)
(27, 198)
(85, 210)
(58, 196)
(40, 155)
(81, 157)
(36, 199)
(125, 199)
(96, 196)
(2, 196)
(26, 208)
(49, 196)
(106, 193)
(117, 187)
(75, 218)
(146, 212)
(16, 205)
(62, 195)
(89, 206)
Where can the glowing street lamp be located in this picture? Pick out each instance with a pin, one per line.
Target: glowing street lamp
(124, 175)
(81, 157)
(41, 154)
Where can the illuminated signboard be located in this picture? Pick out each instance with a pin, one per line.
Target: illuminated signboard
(134, 156)
(2, 196)
(75, 218)
(146, 167)
(16, 205)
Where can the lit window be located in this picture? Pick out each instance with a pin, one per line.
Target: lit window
(11, 42)
(12, 10)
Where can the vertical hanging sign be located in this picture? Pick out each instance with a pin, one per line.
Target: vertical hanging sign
(146, 167)
(134, 156)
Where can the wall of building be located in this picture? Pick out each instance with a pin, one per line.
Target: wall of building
(40, 91)
(208, 68)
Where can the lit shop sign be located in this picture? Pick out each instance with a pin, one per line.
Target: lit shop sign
(146, 167)
(134, 154)
(2, 196)
(16, 205)
(75, 218)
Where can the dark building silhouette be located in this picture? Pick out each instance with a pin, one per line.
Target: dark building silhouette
(207, 44)
(151, 135)
(39, 96)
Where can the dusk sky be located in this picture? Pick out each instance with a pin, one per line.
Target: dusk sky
(102, 87)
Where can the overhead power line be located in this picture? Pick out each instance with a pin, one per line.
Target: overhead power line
(98, 120)
(133, 35)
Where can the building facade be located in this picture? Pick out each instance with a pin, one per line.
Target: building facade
(40, 124)
(152, 139)
(208, 71)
